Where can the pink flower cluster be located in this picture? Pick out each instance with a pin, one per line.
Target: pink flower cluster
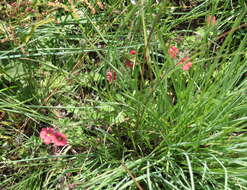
(173, 51)
(49, 135)
(186, 63)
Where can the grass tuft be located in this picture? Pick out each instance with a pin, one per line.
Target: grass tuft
(153, 125)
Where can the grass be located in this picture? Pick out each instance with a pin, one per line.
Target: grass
(155, 127)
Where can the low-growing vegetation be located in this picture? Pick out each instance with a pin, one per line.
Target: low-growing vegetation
(123, 94)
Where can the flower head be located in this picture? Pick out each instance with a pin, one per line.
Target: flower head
(186, 63)
(173, 51)
(187, 66)
(59, 139)
(132, 52)
(111, 76)
(49, 135)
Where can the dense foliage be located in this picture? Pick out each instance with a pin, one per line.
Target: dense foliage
(144, 94)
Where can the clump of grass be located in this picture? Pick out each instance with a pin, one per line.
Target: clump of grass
(153, 125)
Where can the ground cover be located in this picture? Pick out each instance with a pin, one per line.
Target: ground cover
(123, 94)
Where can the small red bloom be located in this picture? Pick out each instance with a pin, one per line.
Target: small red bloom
(111, 75)
(186, 62)
(59, 139)
(132, 52)
(173, 51)
(129, 64)
(187, 66)
(49, 135)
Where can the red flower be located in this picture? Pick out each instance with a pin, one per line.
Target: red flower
(186, 62)
(187, 66)
(111, 75)
(49, 135)
(59, 139)
(173, 51)
(132, 52)
(129, 64)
